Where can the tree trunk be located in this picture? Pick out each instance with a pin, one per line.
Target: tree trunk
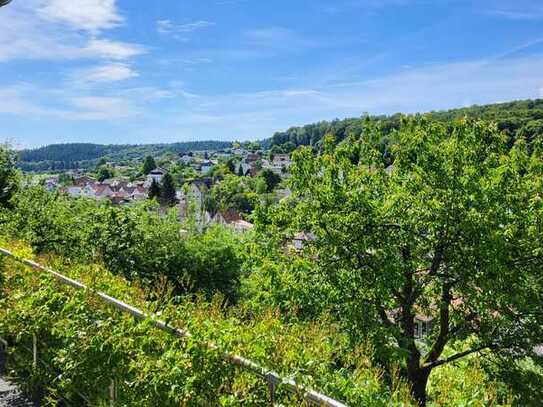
(418, 378)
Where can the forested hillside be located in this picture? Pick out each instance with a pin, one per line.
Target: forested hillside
(86, 155)
(519, 119)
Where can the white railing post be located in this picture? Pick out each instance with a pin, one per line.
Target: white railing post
(34, 352)
(112, 393)
(271, 388)
(3, 354)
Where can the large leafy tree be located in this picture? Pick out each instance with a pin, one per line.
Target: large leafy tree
(8, 176)
(452, 232)
(104, 172)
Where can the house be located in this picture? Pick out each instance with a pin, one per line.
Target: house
(301, 239)
(241, 225)
(272, 166)
(139, 193)
(192, 198)
(74, 191)
(50, 185)
(226, 217)
(281, 160)
(88, 191)
(205, 166)
(423, 326)
(157, 174)
(186, 158)
(232, 219)
(239, 151)
(243, 168)
(83, 181)
(117, 199)
(102, 191)
(251, 158)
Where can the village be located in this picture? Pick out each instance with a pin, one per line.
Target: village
(191, 192)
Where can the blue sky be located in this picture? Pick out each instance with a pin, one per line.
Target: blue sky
(132, 71)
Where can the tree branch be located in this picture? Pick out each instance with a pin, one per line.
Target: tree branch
(443, 335)
(459, 356)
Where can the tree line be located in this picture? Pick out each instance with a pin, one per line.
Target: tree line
(86, 155)
(518, 119)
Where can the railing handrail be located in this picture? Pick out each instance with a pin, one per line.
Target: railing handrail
(272, 377)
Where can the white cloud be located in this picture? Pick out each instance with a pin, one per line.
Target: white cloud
(147, 94)
(111, 72)
(174, 112)
(422, 89)
(74, 104)
(531, 12)
(102, 108)
(168, 27)
(285, 39)
(31, 30)
(89, 15)
(112, 49)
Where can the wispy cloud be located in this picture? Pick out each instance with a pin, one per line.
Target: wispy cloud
(259, 114)
(102, 108)
(169, 27)
(77, 104)
(112, 49)
(277, 38)
(111, 72)
(518, 11)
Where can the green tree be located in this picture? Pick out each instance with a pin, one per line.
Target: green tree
(154, 190)
(8, 176)
(102, 162)
(453, 233)
(271, 179)
(104, 172)
(231, 165)
(149, 165)
(65, 179)
(167, 191)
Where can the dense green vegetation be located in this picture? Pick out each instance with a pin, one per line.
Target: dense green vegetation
(92, 345)
(450, 233)
(520, 119)
(8, 177)
(453, 232)
(132, 241)
(85, 155)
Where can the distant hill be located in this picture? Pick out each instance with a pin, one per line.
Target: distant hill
(86, 155)
(518, 119)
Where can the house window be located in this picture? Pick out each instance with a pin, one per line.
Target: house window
(424, 329)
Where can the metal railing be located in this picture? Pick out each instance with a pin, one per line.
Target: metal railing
(272, 378)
